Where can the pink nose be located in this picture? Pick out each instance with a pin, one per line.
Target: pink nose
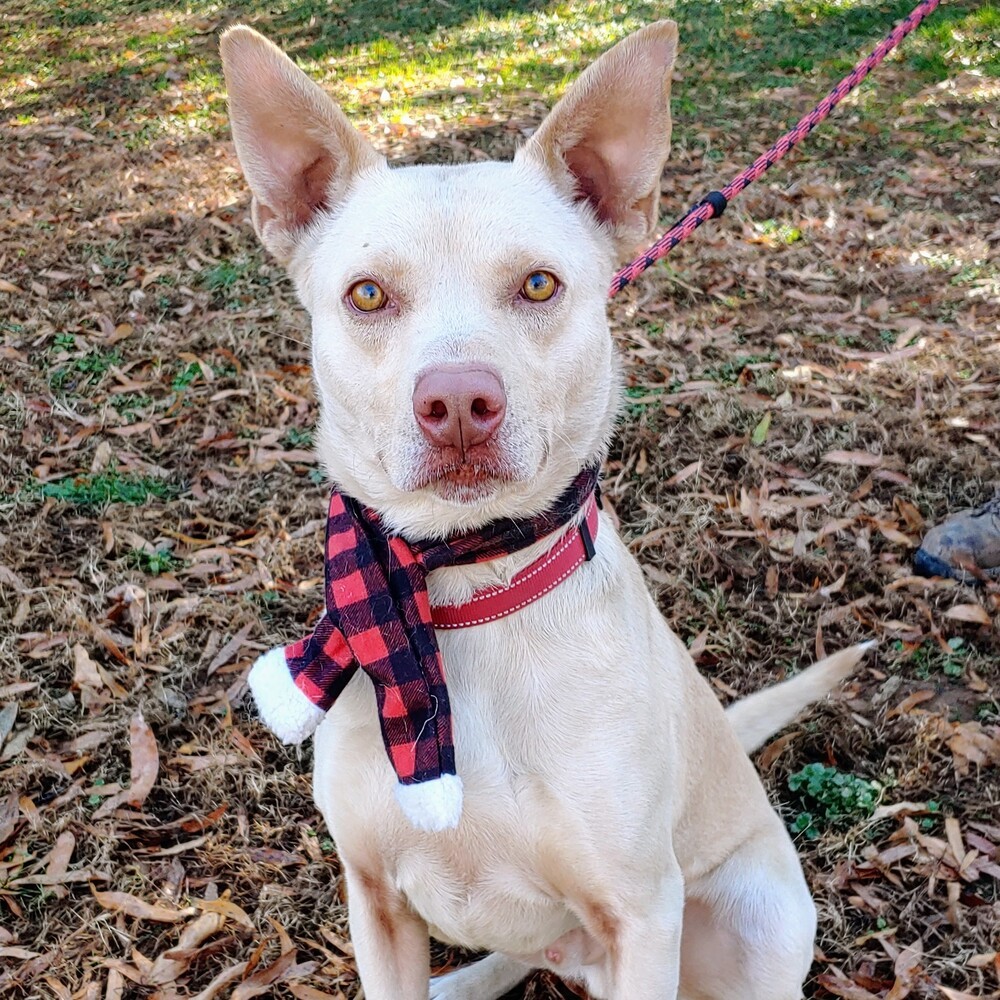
(459, 406)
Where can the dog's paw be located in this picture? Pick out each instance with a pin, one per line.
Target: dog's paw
(488, 979)
(445, 988)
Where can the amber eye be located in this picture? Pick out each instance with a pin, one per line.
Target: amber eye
(367, 296)
(539, 286)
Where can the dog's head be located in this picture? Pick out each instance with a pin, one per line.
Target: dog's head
(460, 343)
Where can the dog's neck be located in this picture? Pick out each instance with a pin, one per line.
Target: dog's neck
(457, 584)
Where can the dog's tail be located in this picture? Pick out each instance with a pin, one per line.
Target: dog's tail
(760, 715)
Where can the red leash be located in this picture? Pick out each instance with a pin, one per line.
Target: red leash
(715, 203)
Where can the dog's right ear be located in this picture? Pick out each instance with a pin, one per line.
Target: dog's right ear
(605, 142)
(297, 149)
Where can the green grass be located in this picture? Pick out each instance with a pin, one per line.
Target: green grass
(298, 437)
(83, 371)
(186, 375)
(779, 232)
(130, 404)
(929, 659)
(101, 489)
(155, 562)
(399, 63)
(728, 372)
(832, 798)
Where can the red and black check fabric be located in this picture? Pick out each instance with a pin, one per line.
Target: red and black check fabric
(378, 619)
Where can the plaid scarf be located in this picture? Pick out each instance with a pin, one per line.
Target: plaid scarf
(378, 618)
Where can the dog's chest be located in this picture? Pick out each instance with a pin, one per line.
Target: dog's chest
(533, 698)
(485, 884)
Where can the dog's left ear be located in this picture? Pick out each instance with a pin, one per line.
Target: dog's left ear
(298, 151)
(607, 139)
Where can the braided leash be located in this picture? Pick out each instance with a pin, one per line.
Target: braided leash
(712, 206)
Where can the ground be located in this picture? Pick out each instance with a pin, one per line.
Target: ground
(812, 380)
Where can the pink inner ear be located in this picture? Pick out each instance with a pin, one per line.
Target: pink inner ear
(296, 183)
(593, 179)
(312, 189)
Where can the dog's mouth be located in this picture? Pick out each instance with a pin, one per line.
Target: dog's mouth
(464, 479)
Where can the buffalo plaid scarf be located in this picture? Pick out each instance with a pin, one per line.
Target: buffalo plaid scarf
(378, 619)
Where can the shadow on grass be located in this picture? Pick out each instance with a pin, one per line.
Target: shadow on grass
(63, 58)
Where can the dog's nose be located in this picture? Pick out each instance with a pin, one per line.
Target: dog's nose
(459, 406)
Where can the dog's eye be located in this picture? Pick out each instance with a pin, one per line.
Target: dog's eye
(539, 286)
(367, 295)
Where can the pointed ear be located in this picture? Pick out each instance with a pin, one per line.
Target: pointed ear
(297, 149)
(607, 139)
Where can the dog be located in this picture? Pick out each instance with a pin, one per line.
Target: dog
(614, 829)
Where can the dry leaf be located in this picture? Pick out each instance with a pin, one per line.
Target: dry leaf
(974, 613)
(970, 744)
(125, 902)
(864, 458)
(85, 672)
(303, 992)
(841, 987)
(19, 953)
(59, 859)
(145, 767)
(115, 989)
(169, 966)
(228, 909)
(221, 981)
(906, 967)
(263, 979)
(686, 473)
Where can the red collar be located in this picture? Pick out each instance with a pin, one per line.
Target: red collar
(534, 581)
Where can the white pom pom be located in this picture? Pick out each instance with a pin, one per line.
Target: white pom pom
(286, 711)
(432, 805)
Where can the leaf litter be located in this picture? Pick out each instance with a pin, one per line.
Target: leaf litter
(812, 381)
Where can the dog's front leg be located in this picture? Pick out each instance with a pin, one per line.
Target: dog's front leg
(391, 943)
(642, 944)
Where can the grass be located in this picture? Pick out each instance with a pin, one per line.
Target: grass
(81, 371)
(155, 561)
(834, 799)
(101, 489)
(397, 63)
(929, 659)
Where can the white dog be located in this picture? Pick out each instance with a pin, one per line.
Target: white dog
(614, 829)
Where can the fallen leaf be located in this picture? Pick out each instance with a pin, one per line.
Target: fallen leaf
(145, 767)
(841, 987)
(8, 716)
(865, 458)
(115, 989)
(974, 613)
(906, 967)
(168, 967)
(686, 473)
(59, 859)
(759, 435)
(125, 902)
(970, 744)
(221, 981)
(226, 908)
(21, 953)
(263, 979)
(303, 992)
(10, 813)
(85, 672)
